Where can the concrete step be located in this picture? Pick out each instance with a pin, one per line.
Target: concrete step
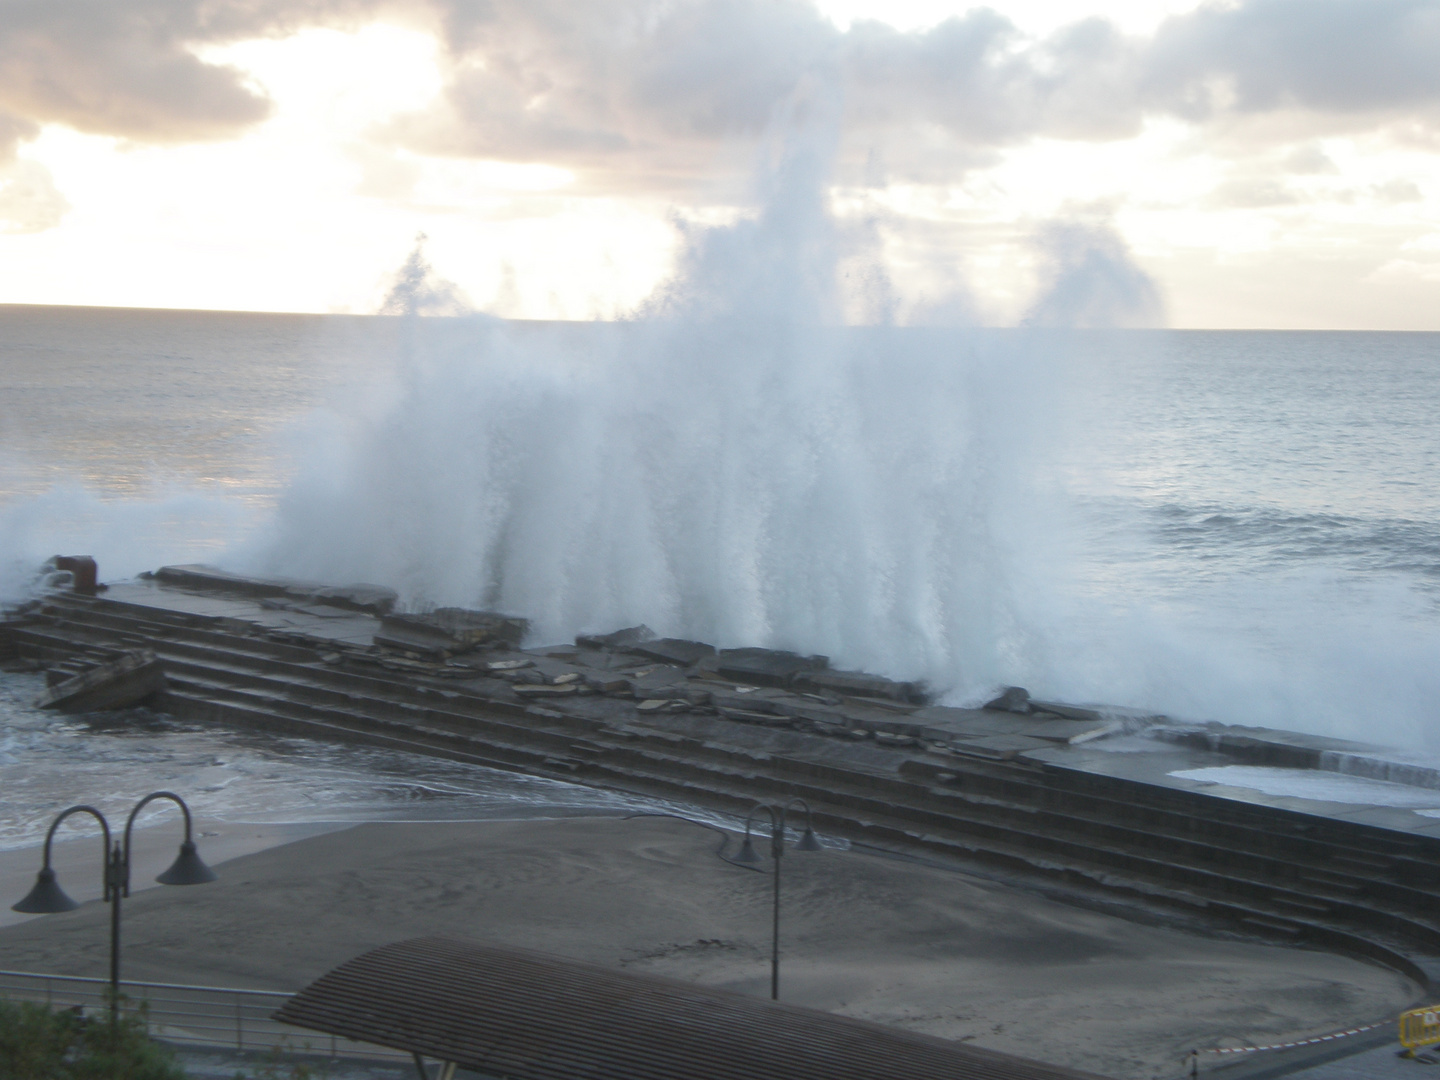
(1021, 788)
(1018, 816)
(242, 666)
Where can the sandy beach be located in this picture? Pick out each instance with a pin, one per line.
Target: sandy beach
(902, 943)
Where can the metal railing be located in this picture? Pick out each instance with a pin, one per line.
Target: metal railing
(209, 1016)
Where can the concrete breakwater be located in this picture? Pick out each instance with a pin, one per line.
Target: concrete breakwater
(1033, 793)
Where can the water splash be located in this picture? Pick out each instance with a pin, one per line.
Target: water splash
(734, 465)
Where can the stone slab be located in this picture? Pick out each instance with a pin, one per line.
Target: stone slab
(617, 639)
(998, 747)
(125, 681)
(671, 650)
(942, 722)
(451, 630)
(860, 684)
(767, 667)
(375, 599)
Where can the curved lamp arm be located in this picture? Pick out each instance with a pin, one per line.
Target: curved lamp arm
(130, 823)
(105, 853)
(46, 897)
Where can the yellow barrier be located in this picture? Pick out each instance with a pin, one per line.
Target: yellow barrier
(1420, 1027)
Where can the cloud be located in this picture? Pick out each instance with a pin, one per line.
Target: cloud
(1252, 194)
(653, 90)
(13, 131)
(1348, 59)
(669, 95)
(1309, 159)
(664, 93)
(667, 92)
(129, 68)
(29, 200)
(1398, 190)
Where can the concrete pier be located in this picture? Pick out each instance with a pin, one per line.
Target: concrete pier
(1038, 795)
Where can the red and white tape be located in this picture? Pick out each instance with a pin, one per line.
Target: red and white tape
(1301, 1042)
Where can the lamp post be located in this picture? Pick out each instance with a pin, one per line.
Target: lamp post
(808, 842)
(47, 898)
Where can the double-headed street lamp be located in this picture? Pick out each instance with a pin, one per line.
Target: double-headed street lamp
(47, 898)
(808, 842)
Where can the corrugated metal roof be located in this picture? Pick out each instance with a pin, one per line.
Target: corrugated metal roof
(529, 1016)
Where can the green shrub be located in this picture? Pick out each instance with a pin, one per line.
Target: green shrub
(37, 1043)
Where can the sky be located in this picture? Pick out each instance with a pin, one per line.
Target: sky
(1254, 163)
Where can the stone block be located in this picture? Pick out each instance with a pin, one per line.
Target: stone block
(371, 599)
(997, 747)
(943, 723)
(1014, 699)
(617, 639)
(450, 630)
(128, 680)
(859, 684)
(671, 650)
(747, 703)
(544, 689)
(767, 667)
(607, 684)
(747, 716)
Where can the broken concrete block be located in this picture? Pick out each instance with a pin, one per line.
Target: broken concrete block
(747, 717)
(373, 599)
(450, 630)
(748, 703)
(1070, 712)
(997, 747)
(508, 665)
(767, 667)
(121, 683)
(1014, 699)
(672, 650)
(858, 683)
(543, 689)
(886, 738)
(607, 684)
(617, 639)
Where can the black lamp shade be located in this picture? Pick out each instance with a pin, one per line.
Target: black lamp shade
(187, 869)
(747, 851)
(809, 842)
(46, 898)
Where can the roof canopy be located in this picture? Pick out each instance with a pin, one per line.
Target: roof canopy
(525, 1015)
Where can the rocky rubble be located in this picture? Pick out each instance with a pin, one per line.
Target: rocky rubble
(632, 674)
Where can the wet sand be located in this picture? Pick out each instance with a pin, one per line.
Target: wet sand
(898, 942)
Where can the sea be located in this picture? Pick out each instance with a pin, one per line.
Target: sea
(1211, 525)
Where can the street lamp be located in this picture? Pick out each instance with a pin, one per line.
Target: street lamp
(47, 898)
(808, 842)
